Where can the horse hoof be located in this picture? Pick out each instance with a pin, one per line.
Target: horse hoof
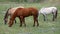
(44, 20)
(37, 25)
(33, 25)
(5, 23)
(9, 26)
(20, 25)
(15, 22)
(24, 25)
(53, 20)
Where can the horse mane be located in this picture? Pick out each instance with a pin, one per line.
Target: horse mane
(6, 14)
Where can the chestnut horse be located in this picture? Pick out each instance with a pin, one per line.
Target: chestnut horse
(9, 12)
(21, 13)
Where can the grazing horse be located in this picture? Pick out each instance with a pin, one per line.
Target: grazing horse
(21, 13)
(9, 12)
(49, 10)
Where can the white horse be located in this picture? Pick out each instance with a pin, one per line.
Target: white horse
(49, 10)
(9, 12)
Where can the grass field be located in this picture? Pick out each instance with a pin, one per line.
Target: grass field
(45, 27)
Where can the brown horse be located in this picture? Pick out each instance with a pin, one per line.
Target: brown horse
(9, 12)
(21, 13)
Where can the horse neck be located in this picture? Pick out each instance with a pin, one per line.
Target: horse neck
(13, 16)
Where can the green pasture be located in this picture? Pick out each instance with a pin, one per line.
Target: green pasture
(45, 27)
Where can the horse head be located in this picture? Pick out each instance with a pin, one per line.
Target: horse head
(6, 16)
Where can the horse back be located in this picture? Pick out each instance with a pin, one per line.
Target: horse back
(34, 11)
(26, 11)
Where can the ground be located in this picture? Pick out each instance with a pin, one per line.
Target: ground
(45, 27)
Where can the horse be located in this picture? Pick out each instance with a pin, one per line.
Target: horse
(21, 13)
(49, 10)
(9, 12)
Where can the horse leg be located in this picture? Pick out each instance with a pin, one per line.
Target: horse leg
(15, 20)
(22, 20)
(53, 16)
(20, 23)
(35, 20)
(44, 17)
(56, 14)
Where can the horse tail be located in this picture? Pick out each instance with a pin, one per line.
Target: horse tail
(56, 14)
(6, 16)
